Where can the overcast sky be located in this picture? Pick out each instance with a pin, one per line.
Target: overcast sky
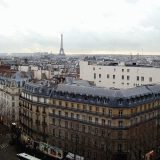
(88, 26)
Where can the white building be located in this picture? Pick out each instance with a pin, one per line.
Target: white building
(120, 76)
(27, 68)
(11, 85)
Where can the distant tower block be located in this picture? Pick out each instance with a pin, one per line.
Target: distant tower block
(61, 49)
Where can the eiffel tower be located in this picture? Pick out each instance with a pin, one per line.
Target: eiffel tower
(61, 49)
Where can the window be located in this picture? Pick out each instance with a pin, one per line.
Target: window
(120, 101)
(78, 107)
(103, 111)
(83, 128)
(12, 98)
(120, 113)
(66, 124)
(60, 113)
(120, 135)
(84, 108)
(103, 122)
(13, 104)
(89, 153)
(60, 103)
(141, 119)
(66, 104)
(109, 123)
(72, 105)
(72, 115)
(95, 153)
(96, 131)
(102, 132)
(114, 69)
(150, 79)
(89, 129)
(90, 119)
(83, 140)
(66, 114)
(99, 75)
(127, 70)
(122, 70)
(54, 132)
(142, 78)
(54, 122)
(137, 78)
(60, 133)
(119, 147)
(110, 112)
(113, 76)
(107, 75)
(83, 117)
(96, 120)
(59, 122)
(68, 95)
(94, 75)
(78, 116)
(122, 76)
(120, 124)
(77, 127)
(97, 109)
(72, 125)
(136, 120)
(96, 143)
(128, 77)
(93, 68)
(90, 108)
(105, 100)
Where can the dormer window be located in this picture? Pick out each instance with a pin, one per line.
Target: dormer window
(144, 98)
(98, 99)
(61, 93)
(85, 98)
(120, 101)
(74, 96)
(68, 95)
(129, 101)
(105, 100)
(40, 90)
(92, 98)
(48, 91)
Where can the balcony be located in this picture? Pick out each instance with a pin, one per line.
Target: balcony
(44, 112)
(44, 123)
(37, 122)
(37, 110)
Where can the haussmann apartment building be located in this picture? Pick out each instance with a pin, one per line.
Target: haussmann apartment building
(93, 122)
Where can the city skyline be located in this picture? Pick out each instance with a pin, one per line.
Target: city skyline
(88, 27)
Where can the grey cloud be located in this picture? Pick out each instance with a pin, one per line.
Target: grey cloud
(131, 1)
(134, 40)
(32, 42)
(3, 3)
(80, 41)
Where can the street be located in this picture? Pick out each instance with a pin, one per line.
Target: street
(6, 151)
